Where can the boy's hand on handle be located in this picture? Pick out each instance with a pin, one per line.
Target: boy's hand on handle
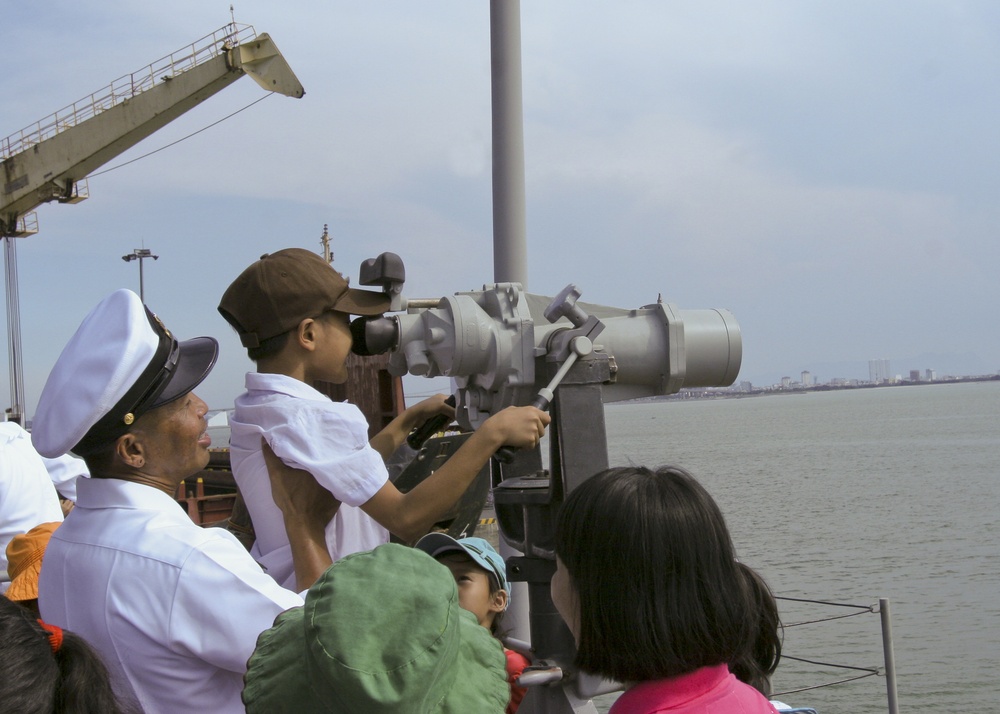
(432, 407)
(399, 429)
(419, 435)
(520, 427)
(297, 493)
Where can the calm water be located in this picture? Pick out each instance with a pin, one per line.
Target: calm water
(850, 496)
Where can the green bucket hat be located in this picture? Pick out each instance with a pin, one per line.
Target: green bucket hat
(381, 632)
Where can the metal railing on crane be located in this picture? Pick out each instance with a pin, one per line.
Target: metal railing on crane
(127, 86)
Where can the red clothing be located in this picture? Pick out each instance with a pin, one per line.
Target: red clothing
(709, 690)
(516, 662)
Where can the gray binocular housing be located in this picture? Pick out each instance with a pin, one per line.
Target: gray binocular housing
(493, 342)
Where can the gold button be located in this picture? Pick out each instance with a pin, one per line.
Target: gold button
(129, 418)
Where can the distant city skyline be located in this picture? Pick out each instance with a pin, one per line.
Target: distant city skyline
(943, 365)
(807, 380)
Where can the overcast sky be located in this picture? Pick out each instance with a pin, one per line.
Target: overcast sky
(826, 170)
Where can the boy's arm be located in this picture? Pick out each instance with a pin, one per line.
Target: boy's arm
(307, 508)
(391, 437)
(410, 515)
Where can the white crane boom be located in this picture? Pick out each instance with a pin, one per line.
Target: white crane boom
(47, 160)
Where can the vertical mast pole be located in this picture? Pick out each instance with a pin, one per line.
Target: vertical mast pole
(889, 655)
(14, 332)
(510, 262)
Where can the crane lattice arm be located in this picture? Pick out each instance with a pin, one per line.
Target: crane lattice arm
(45, 161)
(48, 160)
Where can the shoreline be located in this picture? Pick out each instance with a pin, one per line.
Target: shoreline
(729, 393)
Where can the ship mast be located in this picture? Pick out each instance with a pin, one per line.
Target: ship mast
(510, 262)
(325, 242)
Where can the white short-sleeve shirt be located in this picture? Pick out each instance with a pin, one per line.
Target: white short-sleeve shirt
(174, 609)
(306, 430)
(64, 471)
(27, 496)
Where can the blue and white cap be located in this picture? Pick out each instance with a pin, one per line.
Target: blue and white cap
(480, 550)
(121, 363)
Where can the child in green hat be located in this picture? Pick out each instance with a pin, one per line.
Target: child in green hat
(381, 632)
(481, 576)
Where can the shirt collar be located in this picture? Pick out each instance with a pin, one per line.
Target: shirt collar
(676, 690)
(99, 493)
(282, 384)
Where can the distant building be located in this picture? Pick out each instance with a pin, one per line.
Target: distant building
(914, 375)
(786, 382)
(930, 375)
(878, 371)
(807, 379)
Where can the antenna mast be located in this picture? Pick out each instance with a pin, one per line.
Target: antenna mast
(325, 242)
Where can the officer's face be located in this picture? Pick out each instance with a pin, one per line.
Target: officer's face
(175, 438)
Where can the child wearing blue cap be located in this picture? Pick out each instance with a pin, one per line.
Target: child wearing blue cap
(481, 576)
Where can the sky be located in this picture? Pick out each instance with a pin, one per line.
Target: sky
(827, 170)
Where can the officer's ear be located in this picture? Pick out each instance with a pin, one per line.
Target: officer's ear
(130, 451)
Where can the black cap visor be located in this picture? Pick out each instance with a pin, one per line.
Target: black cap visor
(195, 359)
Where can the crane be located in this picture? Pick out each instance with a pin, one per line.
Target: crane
(51, 159)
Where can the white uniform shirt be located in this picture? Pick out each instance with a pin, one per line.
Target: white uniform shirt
(27, 496)
(173, 608)
(64, 471)
(307, 431)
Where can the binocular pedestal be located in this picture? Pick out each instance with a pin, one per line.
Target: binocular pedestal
(527, 500)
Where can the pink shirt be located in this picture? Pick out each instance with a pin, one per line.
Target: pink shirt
(709, 690)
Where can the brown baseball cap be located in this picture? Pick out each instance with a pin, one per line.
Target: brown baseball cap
(281, 289)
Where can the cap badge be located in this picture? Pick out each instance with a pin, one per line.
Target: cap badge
(160, 323)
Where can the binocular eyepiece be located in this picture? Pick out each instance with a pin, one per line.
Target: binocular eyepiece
(374, 335)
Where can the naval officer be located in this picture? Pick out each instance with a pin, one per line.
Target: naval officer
(174, 609)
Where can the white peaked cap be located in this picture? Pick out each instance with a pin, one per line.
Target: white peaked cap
(120, 363)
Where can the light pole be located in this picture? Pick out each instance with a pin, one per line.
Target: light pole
(140, 254)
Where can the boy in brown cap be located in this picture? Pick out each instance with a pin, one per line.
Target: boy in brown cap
(292, 312)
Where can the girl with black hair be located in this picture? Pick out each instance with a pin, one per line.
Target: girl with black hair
(47, 670)
(761, 658)
(648, 583)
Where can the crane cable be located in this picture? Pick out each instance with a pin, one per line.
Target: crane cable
(183, 138)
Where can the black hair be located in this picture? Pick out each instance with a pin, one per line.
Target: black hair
(763, 652)
(270, 347)
(273, 346)
(99, 459)
(34, 679)
(657, 584)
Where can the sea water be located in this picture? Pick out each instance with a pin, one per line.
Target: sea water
(851, 496)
